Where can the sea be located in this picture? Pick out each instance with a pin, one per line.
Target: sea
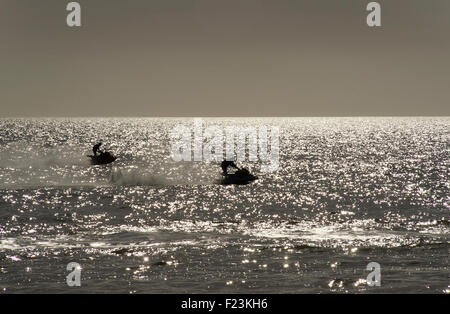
(356, 205)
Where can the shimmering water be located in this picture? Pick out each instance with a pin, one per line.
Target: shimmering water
(349, 191)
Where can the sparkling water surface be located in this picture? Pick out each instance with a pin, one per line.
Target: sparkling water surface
(348, 191)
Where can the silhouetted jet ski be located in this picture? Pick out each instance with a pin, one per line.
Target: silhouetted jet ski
(102, 159)
(242, 176)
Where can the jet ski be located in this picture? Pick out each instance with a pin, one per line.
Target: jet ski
(102, 159)
(242, 176)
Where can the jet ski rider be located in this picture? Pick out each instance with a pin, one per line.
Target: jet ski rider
(228, 163)
(96, 148)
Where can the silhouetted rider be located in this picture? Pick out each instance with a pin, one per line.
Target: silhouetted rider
(227, 163)
(96, 148)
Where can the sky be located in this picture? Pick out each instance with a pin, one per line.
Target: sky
(201, 58)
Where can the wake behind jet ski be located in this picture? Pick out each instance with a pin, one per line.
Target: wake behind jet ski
(241, 176)
(101, 157)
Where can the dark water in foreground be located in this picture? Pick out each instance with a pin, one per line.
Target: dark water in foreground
(349, 191)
